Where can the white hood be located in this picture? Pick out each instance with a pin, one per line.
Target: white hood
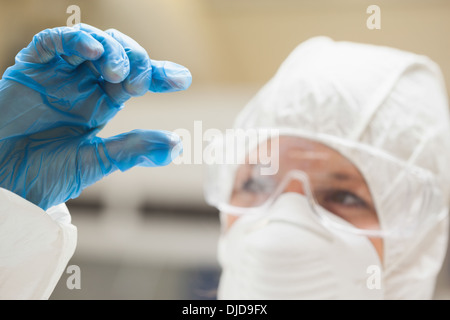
(388, 99)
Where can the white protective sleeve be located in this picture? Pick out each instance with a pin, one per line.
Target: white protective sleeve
(35, 247)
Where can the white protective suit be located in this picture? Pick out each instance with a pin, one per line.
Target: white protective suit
(382, 97)
(36, 246)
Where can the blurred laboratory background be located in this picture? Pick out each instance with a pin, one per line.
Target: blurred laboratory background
(148, 233)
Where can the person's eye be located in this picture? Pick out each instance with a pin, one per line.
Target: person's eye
(257, 185)
(345, 198)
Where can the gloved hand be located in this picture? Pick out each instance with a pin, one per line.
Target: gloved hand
(64, 87)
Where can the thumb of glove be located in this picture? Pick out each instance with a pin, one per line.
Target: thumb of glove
(147, 148)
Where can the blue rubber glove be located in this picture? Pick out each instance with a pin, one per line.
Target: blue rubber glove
(64, 87)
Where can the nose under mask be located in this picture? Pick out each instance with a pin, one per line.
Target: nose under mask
(287, 253)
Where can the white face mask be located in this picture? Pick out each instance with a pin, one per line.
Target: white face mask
(286, 253)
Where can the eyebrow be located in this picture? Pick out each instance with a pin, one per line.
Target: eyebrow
(343, 176)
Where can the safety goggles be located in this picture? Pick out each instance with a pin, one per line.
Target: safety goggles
(367, 191)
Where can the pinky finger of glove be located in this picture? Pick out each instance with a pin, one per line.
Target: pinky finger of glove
(75, 45)
(146, 148)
